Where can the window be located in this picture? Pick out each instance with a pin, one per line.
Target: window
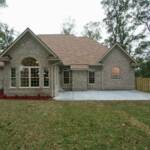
(24, 77)
(67, 77)
(91, 77)
(34, 73)
(115, 72)
(13, 77)
(29, 74)
(29, 61)
(46, 77)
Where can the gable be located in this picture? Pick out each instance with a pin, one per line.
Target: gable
(24, 38)
(28, 47)
(121, 51)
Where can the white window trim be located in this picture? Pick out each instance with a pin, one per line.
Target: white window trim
(31, 87)
(13, 87)
(48, 77)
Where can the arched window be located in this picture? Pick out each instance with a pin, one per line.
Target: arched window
(29, 61)
(115, 73)
(29, 73)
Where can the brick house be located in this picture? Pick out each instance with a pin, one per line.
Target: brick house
(46, 64)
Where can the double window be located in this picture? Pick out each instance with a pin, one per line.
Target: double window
(29, 77)
(29, 73)
(91, 77)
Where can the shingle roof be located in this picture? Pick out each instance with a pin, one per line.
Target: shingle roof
(74, 50)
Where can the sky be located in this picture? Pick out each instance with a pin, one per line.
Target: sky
(47, 16)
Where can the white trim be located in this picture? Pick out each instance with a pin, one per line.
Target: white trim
(10, 85)
(29, 76)
(48, 77)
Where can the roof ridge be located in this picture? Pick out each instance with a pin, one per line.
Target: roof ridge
(55, 35)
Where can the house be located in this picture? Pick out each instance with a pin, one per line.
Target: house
(46, 64)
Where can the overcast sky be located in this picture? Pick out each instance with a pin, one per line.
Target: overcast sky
(47, 16)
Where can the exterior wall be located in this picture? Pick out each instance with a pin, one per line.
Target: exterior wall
(56, 80)
(98, 79)
(64, 87)
(79, 80)
(26, 47)
(1, 78)
(117, 58)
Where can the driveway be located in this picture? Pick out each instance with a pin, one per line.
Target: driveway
(102, 95)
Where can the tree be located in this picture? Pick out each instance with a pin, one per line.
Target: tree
(68, 26)
(2, 3)
(142, 13)
(92, 30)
(119, 24)
(144, 68)
(141, 19)
(6, 36)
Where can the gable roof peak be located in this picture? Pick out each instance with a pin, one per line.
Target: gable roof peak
(34, 36)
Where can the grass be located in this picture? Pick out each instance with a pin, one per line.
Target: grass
(36, 125)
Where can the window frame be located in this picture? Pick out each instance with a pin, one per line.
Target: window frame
(46, 77)
(13, 77)
(115, 76)
(29, 76)
(70, 78)
(90, 77)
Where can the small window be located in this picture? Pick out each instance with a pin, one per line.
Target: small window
(67, 77)
(91, 77)
(46, 77)
(115, 72)
(13, 77)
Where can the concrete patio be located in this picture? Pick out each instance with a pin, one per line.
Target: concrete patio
(102, 95)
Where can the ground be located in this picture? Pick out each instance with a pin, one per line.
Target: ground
(103, 95)
(50, 125)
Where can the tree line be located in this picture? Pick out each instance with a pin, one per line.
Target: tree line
(126, 22)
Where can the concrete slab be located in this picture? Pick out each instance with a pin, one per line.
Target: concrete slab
(102, 95)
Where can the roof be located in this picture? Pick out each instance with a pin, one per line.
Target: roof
(77, 52)
(74, 50)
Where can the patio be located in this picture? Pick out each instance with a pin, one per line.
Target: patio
(102, 95)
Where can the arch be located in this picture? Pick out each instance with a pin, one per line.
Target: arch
(30, 61)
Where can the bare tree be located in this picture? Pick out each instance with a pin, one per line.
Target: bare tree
(92, 30)
(68, 26)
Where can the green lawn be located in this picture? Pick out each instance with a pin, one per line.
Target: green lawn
(37, 125)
